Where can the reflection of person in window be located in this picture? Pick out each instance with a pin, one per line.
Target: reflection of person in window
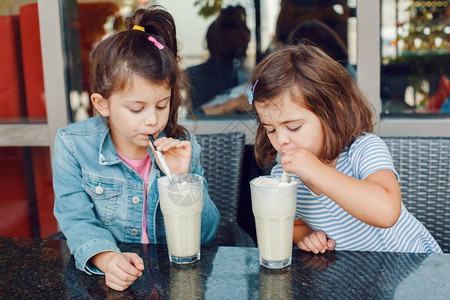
(334, 13)
(323, 36)
(227, 39)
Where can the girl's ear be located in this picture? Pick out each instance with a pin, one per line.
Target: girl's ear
(100, 104)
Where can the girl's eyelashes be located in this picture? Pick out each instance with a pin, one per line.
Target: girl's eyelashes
(136, 110)
(162, 104)
(292, 129)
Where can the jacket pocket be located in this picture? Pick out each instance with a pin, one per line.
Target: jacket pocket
(105, 193)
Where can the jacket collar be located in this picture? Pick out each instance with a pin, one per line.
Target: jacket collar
(107, 152)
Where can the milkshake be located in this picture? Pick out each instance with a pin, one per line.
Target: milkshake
(181, 205)
(273, 205)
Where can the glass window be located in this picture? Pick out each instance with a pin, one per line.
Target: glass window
(220, 44)
(84, 24)
(415, 58)
(241, 34)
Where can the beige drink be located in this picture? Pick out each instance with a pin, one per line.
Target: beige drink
(181, 205)
(273, 204)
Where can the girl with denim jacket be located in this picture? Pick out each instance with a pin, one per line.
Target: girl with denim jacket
(105, 176)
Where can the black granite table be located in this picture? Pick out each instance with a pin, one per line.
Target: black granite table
(44, 269)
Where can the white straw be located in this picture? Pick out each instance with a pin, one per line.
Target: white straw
(284, 177)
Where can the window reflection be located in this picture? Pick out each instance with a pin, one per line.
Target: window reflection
(85, 24)
(219, 50)
(218, 84)
(220, 87)
(415, 57)
(293, 13)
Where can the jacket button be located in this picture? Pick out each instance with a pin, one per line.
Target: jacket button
(99, 190)
(136, 200)
(134, 231)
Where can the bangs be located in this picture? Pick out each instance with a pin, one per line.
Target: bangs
(124, 79)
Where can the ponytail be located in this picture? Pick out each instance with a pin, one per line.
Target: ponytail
(156, 22)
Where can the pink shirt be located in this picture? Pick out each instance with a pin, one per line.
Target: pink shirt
(143, 167)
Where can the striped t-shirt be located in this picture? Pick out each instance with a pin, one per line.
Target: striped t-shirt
(366, 155)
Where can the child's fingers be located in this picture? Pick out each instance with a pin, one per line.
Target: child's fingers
(331, 244)
(302, 246)
(115, 286)
(127, 267)
(322, 238)
(167, 144)
(120, 273)
(316, 243)
(285, 161)
(159, 141)
(309, 244)
(183, 144)
(118, 281)
(136, 261)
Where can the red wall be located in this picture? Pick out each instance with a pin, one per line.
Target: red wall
(22, 95)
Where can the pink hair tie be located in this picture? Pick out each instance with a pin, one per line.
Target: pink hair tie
(157, 44)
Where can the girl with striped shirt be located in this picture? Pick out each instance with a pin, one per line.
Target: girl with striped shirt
(312, 114)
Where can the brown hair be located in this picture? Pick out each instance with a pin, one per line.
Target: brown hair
(120, 57)
(326, 89)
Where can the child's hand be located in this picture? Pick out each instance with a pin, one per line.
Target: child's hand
(121, 269)
(316, 242)
(176, 153)
(300, 162)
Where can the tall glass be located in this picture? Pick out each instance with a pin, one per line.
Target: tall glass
(181, 205)
(273, 204)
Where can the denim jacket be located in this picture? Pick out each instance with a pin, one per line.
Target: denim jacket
(99, 198)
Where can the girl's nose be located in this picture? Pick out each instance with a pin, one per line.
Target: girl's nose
(151, 119)
(282, 138)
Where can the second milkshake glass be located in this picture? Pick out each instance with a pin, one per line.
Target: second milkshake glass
(273, 205)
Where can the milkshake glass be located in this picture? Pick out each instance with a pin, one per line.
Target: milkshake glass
(273, 205)
(181, 205)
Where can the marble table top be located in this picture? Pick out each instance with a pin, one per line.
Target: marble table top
(44, 269)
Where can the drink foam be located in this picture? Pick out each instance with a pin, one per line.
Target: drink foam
(273, 182)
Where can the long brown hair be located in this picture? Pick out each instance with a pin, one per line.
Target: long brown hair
(129, 53)
(326, 89)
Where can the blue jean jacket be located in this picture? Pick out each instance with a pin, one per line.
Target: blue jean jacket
(99, 198)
